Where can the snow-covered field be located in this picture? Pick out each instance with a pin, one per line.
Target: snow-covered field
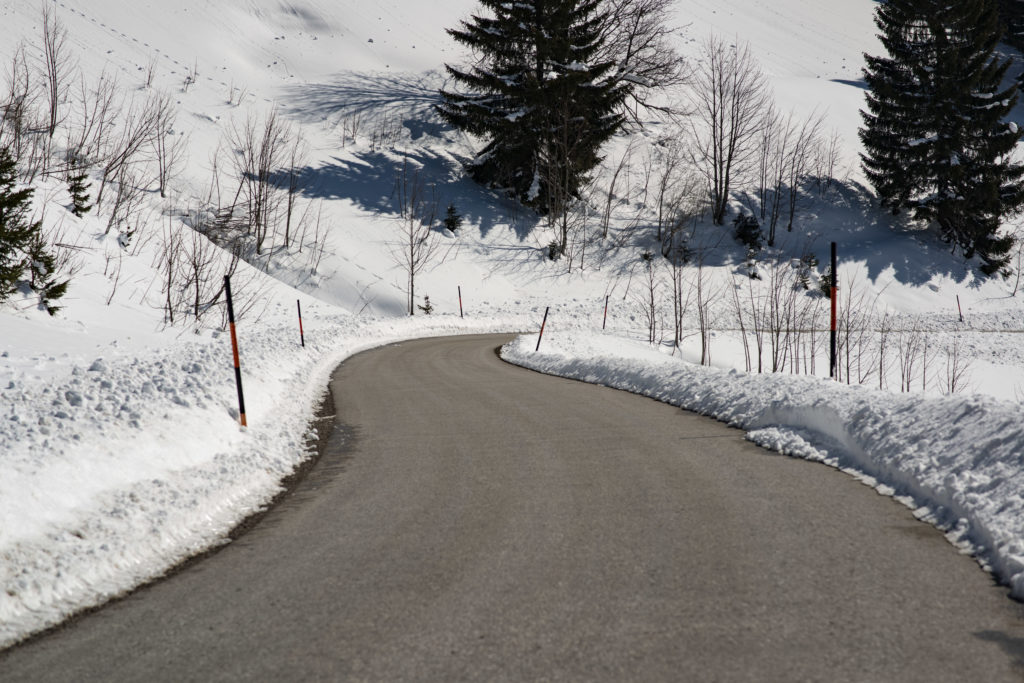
(120, 451)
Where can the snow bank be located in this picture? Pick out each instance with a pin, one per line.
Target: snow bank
(958, 461)
(117, 469)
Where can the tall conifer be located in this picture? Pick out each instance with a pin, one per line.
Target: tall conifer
(15, 231)
(24, 256)
(537, 96)
(935, 136)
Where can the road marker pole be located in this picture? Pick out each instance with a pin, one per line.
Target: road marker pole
(834, 290)
(302, 335)
(604, 322)
(234, 350)
(543, 323)
(460, 302)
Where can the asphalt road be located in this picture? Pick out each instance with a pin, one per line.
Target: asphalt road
(470, 520)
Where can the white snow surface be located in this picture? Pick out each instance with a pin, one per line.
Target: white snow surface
(120, 450)
(957, 461)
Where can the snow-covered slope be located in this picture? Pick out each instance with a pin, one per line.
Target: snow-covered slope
(119, 448)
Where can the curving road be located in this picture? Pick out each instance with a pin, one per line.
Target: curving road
(470, 520)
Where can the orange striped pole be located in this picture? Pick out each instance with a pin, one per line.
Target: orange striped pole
(542, 325)
(234, 350)
(302, 335)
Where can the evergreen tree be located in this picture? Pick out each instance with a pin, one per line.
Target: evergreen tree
(538, 96)
(975, 182)
(24, 256)
(78, 188)
(43, 276)
(935, 136)
(15, 231)
(1011, 14)
(896, 98)
(452, 219)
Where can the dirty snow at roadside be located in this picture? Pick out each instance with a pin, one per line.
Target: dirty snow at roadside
(957, 461)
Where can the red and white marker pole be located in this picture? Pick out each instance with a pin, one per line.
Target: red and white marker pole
(234, 350)
(835, 289)
(543, 323)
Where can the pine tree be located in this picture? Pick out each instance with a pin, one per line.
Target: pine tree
(15, 231)
(538, 96)
(23, 251)
(78, 188)
(43, 276)
(452, 219)
(976, 183)
(893, 127)
(1011, 14)
(935, 136)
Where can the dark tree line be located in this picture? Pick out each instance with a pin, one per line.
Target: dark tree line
(936, 138)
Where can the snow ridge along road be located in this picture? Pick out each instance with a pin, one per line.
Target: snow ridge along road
(472, 520)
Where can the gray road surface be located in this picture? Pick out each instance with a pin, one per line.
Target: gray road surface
(474, 521)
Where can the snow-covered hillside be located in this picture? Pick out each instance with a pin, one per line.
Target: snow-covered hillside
(120, 452)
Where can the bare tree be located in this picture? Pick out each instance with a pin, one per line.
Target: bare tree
(758, 318)
(957, 366)
(419, 244)
(151, 64)
(1019, 262)
(95, 120)
(319, 243)
(169, 264)
(22, 128)
(57, 65)
(909, 348)
(885, 333)
(648, 298)
(826, 157)
(606, 216)
(136, 130)
(18, 104)
(781, 301)
(201, 279)
(168, 148)
(639, 39)
(707, 294)
(806, 139)
(856, 354)
(681, 211)
(742, 316)
(559, 155)
(670, 187)
(128, 196)
(260, 152)
(729, 99)
(775, 140)
(297, 157)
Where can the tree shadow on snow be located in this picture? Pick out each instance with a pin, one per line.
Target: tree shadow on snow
(371, 181)
(864, 232)
(364, 100)
(381, 102)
